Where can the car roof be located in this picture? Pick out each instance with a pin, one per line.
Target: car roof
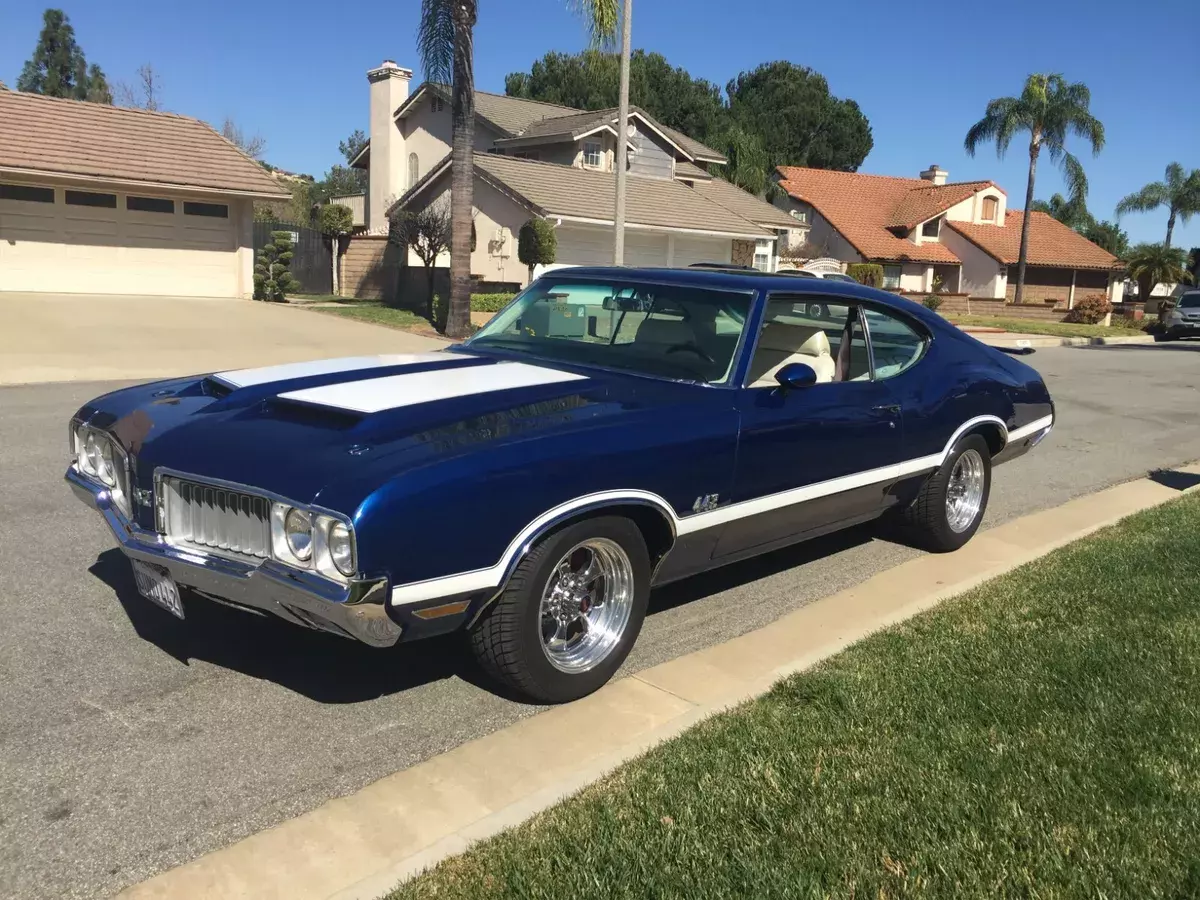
(742, 280)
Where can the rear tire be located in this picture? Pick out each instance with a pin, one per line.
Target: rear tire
(524, 639)
(947, 512)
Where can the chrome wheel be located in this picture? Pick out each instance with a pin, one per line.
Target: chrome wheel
(586, 605)
(964, 493)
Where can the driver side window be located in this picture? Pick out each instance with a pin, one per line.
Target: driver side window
(826, 336)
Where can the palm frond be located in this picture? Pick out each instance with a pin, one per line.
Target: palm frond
(1002, 119)
(1087, 126)
(1174, 177)
(435, 40)
(1149, 197)
(1076, 178)
(602, 19)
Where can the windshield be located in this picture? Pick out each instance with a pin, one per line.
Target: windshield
(1190, 300)
(668, 331)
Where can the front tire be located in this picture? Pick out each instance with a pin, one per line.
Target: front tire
(948, 511)
(570, 612)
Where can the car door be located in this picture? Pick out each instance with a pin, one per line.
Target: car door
(810, 458)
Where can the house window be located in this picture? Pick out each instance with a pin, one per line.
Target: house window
(762, 255)
(527, 154)
(88, 198)
(212, 210)
(930, 228)
(591, 154)
(150, 204)
(800, 215)
(437, 104)
(989, 209)
(891, 278)
(26, 193)
(413, 169)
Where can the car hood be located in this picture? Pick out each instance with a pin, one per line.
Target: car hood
(330, 431)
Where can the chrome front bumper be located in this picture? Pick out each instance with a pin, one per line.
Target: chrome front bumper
(356, 610)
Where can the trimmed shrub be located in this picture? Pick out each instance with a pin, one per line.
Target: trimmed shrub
(537, 244)
(272, 279)
(1089, 309)
(490, 302)
(870, 274)
(932, 302)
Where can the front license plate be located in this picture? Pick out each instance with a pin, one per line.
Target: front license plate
(157, 585)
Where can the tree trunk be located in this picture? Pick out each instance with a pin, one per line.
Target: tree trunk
(1034, 148)
(619, 163)
(1170, 228)
(430, 311)
(458, 314)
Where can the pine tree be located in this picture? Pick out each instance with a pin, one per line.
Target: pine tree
(272, 279)
(58, 67)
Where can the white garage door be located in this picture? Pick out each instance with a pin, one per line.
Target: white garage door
(582, 246)
(96, 242)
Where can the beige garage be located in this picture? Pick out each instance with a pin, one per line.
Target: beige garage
(103, 200)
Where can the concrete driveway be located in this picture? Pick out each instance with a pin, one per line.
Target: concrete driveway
(77, 337)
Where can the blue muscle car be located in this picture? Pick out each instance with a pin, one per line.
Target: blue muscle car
(609, 431)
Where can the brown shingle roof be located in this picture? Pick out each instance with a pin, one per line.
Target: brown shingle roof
(694, 148)
(744, 204)
(860, 207)
(685, 169)
(511, 115)
(70, 137)
(921, 204)
(1051, 243)
(554, 190)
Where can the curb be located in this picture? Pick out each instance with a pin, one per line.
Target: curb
(359, 847)
(1050, 341)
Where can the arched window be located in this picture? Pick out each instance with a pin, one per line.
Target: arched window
(413, 167)
(989, 209)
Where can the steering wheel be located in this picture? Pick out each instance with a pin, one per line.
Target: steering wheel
(699, 351)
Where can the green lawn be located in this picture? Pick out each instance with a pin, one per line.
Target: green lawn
(1038, 737)
(1057, 329)
(376, 313)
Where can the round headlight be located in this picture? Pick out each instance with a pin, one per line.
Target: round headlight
(297, 528)
(91, 454)
(108, 466)
(341, 548)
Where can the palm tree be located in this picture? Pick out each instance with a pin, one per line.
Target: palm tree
(1151, 264)
(1073, 213)
(1049, 108)
(1179, 192)
(446, 45)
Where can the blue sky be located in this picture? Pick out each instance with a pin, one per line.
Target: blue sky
(295, 72)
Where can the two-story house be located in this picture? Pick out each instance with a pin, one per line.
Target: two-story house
(537, 159)
(926, 230)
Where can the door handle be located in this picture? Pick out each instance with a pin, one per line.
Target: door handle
(892, 409)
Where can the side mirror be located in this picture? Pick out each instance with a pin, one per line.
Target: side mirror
(796, 375)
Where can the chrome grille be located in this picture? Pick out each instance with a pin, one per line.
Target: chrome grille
(217, 518)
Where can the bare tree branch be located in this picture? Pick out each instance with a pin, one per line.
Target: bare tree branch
(144, 93)
(252, 145)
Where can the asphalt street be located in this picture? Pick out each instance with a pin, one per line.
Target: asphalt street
(131, 742)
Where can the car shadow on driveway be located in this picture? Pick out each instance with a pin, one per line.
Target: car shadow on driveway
(323, 667)
(330, 669)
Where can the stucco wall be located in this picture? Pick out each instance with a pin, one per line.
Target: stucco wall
(971, 209)
(822, 234)
(982, 276)
(428, 134)
(497, 222)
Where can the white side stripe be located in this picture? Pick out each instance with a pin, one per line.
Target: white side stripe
(395, 391)
(240, 378)
(491, 577)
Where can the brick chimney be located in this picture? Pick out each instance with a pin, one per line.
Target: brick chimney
(935, 174)
(389, 89)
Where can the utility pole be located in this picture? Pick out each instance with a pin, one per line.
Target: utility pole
(622, 135)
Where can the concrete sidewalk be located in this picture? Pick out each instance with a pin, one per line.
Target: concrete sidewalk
(76, 337)
(362, 845)
(1015, 339)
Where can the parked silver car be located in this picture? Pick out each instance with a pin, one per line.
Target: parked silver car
(1183, 319)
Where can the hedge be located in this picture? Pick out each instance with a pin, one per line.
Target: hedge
(490, 302)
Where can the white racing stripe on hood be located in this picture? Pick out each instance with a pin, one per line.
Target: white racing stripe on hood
(394, 391)
(240, 378)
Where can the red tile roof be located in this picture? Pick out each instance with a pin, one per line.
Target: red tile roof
(921, 204)
(1051, 243)
(861, 207)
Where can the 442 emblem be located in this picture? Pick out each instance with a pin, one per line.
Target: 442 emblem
(706, 502)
